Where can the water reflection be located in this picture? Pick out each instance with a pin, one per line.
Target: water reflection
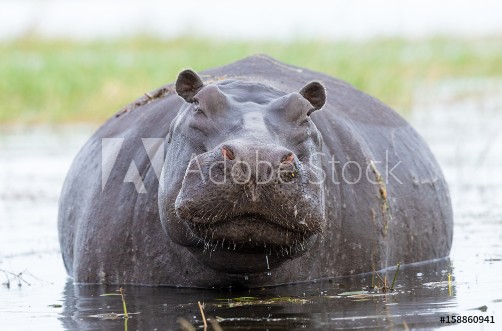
(419, 299)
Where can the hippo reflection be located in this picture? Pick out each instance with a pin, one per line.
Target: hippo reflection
(271, 174)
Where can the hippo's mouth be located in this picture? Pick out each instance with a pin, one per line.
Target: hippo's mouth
(233, 245)
(248, 231)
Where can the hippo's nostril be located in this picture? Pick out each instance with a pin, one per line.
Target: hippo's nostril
(288, 158)
(287, 169)
(227, 153)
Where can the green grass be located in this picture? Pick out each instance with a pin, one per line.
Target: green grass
(66, 81)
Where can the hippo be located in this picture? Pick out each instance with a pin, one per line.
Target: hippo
(257, 173)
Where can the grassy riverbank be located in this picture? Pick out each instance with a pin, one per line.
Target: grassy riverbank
(67, 81)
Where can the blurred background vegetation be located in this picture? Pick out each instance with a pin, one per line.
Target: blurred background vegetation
(58, 81)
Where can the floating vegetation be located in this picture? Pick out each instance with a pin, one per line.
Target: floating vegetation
(252, 301)
(201, 308)
(354, 293)
(113, 316)
(382, 285)
(122, 296)
(436, 284)
(483, 308)
(362, 295)
(187, 326)
(16, 276)
(55, 305)
(263, 319)
(395, 277)
(107, 316)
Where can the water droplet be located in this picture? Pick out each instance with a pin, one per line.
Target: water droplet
(246, 277)
(268, 266)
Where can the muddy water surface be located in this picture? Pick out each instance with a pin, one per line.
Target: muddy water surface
(460, 120)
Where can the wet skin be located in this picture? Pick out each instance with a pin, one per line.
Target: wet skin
(260, 185)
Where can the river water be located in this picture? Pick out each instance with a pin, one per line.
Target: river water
(460, 120)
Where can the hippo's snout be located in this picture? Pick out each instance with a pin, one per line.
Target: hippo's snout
(258, 165)
(253, 197)
(271, 155)
(238, 178)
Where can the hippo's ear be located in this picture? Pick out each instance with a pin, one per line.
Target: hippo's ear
(315, 93)
(188, 84)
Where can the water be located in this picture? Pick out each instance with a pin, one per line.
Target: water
(461, 121)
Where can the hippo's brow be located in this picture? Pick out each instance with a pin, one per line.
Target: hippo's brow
(235, 128)
(254, 121)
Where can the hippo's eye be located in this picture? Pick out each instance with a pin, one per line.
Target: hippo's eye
(196, 106)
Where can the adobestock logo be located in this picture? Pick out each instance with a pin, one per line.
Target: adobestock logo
(258, 171)
(110, 149)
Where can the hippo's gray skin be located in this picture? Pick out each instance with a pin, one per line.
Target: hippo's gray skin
(306, 215)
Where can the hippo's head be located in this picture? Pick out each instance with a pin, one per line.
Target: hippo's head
(241, 185)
